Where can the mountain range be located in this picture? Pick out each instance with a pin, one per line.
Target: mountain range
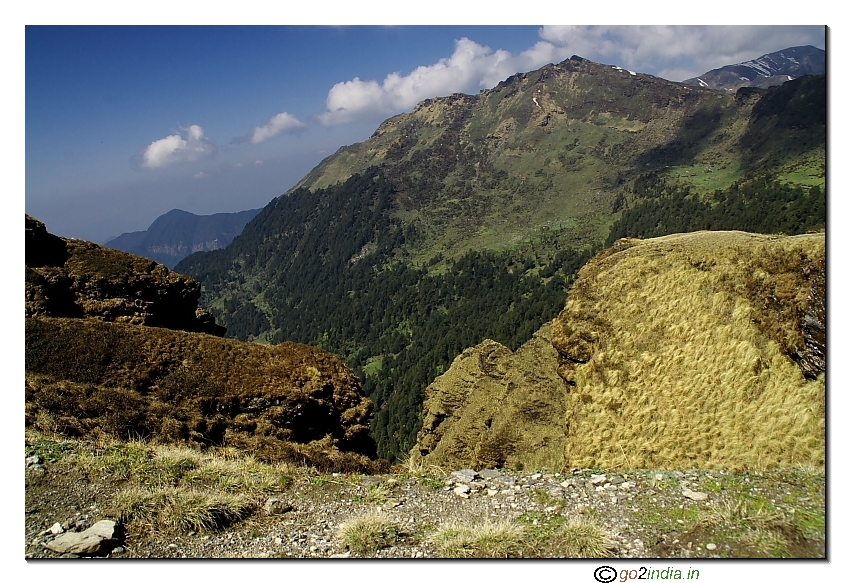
(178, 233)
(766, 71)
(468, 218)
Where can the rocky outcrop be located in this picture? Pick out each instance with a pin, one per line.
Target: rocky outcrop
(697, 350)
(496, 408)
(286, 402)
(78, 279)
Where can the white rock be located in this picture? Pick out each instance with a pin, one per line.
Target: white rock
(462, 491)
(597, 479)
(56, 529)
(698, 496)
(464, 475)
(710, 546)
(100, 538)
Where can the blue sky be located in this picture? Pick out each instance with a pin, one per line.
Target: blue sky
(124, 123)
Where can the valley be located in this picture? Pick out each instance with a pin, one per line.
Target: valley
(468, 218)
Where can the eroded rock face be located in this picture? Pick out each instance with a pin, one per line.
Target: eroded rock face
(496, 408)
(812, 357)
(78, 279)
(288, 401)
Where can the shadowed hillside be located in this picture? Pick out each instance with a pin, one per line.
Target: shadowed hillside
(288, 402)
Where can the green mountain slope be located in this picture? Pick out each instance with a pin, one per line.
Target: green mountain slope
(468, 218)
(553, 148)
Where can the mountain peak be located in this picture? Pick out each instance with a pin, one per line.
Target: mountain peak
(765, 71)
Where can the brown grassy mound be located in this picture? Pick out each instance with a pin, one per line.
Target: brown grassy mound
(495, 408)
(69, 278)
(287, 402)
(697, 350)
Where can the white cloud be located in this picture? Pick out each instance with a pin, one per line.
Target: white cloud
(471, 67)
(173, 149)
(672, 52)
(676, 52)
(281, 123)
(200, 175)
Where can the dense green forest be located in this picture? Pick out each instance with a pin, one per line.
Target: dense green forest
(759, 205)
(326, 271)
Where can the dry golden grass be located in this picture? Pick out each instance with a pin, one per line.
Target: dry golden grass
(487, 539)
(581, 538)
(678, 348)
(368, 532)
(180, 508)
(173, 489)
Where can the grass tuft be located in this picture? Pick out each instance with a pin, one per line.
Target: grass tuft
(488, 539)
(181, 508)
(368, 532)
(582, 538)
(175, 489)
